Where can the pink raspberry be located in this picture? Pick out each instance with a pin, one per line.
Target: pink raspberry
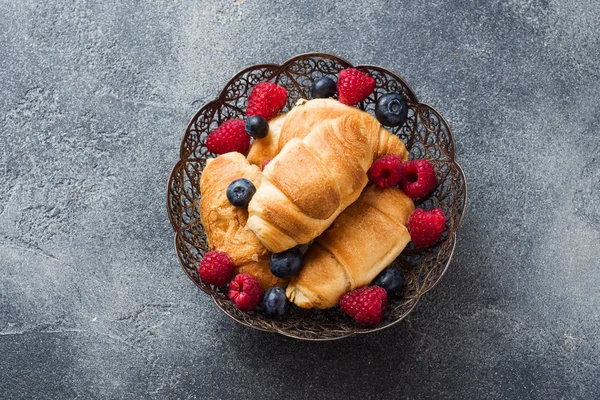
(216, 268)
(426, 227)
(353, 86)
(366, 305)
(245, 292)
(266, 100)
(386, 171)
(229, 136)
(418, 178)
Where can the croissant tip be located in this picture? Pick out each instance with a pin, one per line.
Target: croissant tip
(296, 296)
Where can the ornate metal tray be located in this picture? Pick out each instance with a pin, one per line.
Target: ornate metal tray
(426, 135)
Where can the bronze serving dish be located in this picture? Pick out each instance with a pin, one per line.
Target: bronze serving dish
(426, 135)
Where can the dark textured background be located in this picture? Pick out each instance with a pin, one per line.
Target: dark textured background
(94, 99)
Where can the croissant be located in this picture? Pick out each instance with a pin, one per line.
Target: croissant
(362, 241)
(311, 181)
(307, 113)
(297, 124)
(225, 225)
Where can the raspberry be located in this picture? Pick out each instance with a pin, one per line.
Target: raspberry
(354, 86)
(418, 178)
(366, 305)
(229, 136)
(386, 171)
(266, 100)
(426, 227)
(245, 292)
(216, 268)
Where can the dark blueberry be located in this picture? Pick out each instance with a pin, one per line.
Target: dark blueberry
(275, 302)
(391, 280)
(286, 263)
(240, 192)
(391, 109)
(257, 127)
(323, 88)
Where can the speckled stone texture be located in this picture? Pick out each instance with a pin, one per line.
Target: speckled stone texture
(94, 99)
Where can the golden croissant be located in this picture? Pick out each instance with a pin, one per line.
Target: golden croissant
(307, 114)
(362, 241)
(311, 181)
(299, 122)
(225, 224)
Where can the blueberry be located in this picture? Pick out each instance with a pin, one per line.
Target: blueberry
(323, 88)
(257, 127)
(275, 302)
(240, 192)
(391, 280)
(391, 109)
(286, 263)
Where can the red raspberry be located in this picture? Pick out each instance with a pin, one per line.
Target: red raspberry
(216, 268)
(354, 86)
(366, 305)
(245, 292)
(266, 100)
(386, 171)
(426, 227)
(264, 164)
(229, 136)
(418, 178)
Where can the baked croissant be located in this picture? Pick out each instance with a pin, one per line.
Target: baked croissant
(225, 224)
(311, 181)
(297, 124)
(308, 113)
(362, 241)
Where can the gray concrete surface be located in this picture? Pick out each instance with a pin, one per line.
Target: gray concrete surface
(94, 98)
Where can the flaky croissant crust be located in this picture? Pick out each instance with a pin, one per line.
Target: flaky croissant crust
(362, 241)
(312, 180)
